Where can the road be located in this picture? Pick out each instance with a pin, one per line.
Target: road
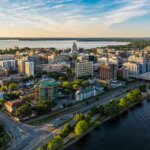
(22, 134)
(26, 137)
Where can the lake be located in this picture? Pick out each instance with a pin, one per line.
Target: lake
(129, 132)
(59, 44)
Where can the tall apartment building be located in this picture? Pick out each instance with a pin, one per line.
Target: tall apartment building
(84, 68)
(46, 90)
(141, 61)
(108, 71)
(9, 65)
(29, 68)
(21, 67)
(134, 68)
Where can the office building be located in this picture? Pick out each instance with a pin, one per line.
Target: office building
(58, 58)
(84, 68)
(29, 68)
(108, 71)
(46, 90)
(9, 65)
(133, 68)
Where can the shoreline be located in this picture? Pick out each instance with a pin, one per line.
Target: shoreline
(68, 144)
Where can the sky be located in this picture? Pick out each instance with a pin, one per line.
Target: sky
(74, 18)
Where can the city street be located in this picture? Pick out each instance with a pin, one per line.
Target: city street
(26, 137)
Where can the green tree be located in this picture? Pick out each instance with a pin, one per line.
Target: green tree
(84, 84)
(23, 111)
(123, 103)
(12, 86)
(69, 73)
(55, 144)
(75, 86)
(3, 89)
(81, 128)
(94, 111)
(40, 148)
(79, 117)
(112, 107)
(78, 81)
(66, 130)
(66, 84)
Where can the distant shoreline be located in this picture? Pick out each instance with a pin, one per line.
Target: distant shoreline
(119, 39)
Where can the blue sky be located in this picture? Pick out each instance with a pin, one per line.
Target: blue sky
(74, 18)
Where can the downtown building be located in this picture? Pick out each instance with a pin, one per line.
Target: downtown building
(46, 90)
(84, 69)
(26, 68)
(9, 65)
(108, 72)
(29, 68)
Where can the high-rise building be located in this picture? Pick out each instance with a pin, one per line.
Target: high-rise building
(84, 68)
(21, 67)
(46, 90)
(134, 68)
(9, 65)
(108, 71)
(29, 68)
(141, 61)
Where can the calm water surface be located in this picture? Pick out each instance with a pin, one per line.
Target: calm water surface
(54, 43)
(130, 132)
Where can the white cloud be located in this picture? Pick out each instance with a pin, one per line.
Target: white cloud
(69, 15)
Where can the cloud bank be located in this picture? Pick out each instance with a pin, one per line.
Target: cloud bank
(68, 17)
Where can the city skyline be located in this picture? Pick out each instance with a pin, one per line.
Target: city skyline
(80, 18)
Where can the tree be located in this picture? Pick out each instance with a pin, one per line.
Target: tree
(67, 91)
(142, 88)
(69, 73)
(23, 111)
(3, 89)
(84, 84)
(43, 107)
(78, 81)
(79, 117)
(123, 103)
(134, 96)
(94, 111)
(66, 130)
(55, 144)
(81, 128)
(40, 148)
(112, 107)
(66, 84)
(75, 86)
(12, 86)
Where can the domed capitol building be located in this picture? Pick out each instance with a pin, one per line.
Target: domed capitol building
(74, 49)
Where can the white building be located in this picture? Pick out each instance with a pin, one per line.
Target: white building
(29, 68)
(139, 60)
(74, 49)
(9, 65)
(88, 92)
(110, 60)
(84, 68)
(58, 58)
(133, 68)
(21, 67)
(83, 56)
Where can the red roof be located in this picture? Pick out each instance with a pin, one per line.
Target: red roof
(14, 103)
